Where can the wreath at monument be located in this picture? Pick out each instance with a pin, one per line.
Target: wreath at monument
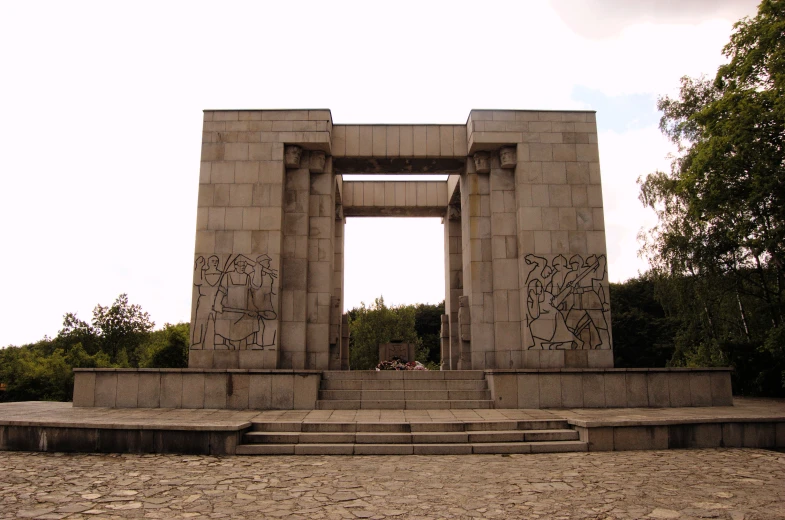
(397, 363)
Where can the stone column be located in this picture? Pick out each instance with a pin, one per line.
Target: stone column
(336, 308)
(477, 260)
(345, 342)
(504, 246)
(444, 339)
(295, 264)
(453, 274)
(321, 231)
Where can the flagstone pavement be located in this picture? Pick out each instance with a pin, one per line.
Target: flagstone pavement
(712, 483)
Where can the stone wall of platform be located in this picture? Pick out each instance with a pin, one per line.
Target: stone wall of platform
(610, 388)
(197, 388)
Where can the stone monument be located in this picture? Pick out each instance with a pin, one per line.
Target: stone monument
(526, 276)
(526, 281)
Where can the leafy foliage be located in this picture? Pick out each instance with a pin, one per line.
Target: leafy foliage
(119, 336)
(371, 326)
(717, 251)
(642, 331)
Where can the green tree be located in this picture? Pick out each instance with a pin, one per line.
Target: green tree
(642, 331)
(428, 326)
(718, 247)
(122, 327)
(370, 326)
(168, 347)
(120, 335)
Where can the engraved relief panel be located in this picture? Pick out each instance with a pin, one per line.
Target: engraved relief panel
(236, 302)
(567, 303)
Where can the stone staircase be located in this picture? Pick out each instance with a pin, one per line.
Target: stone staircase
(403, 390)
(410, 438)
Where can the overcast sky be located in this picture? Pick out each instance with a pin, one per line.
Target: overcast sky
(102, 112)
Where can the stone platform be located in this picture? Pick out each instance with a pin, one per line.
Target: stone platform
(243, 389)
(61, 427)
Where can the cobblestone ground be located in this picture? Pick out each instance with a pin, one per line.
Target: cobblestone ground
(715, 483)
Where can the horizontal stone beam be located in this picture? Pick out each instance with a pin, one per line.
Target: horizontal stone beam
(384, 211)
(371, 165)
(395, 198)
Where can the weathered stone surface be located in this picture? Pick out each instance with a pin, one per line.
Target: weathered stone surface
(723, 483)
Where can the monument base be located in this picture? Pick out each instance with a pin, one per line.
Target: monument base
(253, 389)
(197, 388)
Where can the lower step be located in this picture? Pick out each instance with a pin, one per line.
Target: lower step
(402, 405)
(427, 438)
(407, 427)
(413, 449)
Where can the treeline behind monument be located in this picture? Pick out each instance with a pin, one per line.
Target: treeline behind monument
(658, 321)
(120, 335)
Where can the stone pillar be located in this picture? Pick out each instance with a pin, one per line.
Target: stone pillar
(453, 274)
(321, 232)
(235, 319)
(336, 308)
(477, 261)
(504, 252)
(345, 342)
(464, 333)
(251, 265)
(563, 277)
(295, 265)
(444, 338)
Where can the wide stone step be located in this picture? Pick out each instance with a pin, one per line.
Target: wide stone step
(409, 427)
(405, 395)
(402, 404)
(404, 384)
(412, 449)
(382, 375)
(491, 436)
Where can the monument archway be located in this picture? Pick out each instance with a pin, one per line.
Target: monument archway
(526, 281)
(526, 277)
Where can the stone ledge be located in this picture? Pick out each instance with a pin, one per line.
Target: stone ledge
(623, 423)
(222, 427)
(608, 370)
(205, 370)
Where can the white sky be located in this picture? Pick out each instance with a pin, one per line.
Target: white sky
(101, 122)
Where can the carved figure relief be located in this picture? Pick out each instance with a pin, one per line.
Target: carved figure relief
(291, 157)
(464, 319)
(508, 157)
(234, 303)
(482, 162)
(566, 303)
(206, 279)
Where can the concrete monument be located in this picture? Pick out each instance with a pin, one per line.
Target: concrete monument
(526, 273)
(527, 315)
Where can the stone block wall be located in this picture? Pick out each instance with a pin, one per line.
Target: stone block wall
(189, 388)
(610, 388)
(264, 253)
(534, 260)
(526, 280)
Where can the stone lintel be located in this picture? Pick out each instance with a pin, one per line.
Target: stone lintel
(394, 211)
(393, 165)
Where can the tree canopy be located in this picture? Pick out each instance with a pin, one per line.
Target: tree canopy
(372, 325)
(120, 335)
(717, 250)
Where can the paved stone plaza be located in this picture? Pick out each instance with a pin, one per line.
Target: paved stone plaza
(714, 483)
